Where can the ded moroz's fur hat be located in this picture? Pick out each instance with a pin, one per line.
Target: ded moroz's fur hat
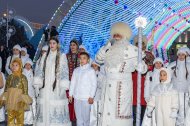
(122, 29)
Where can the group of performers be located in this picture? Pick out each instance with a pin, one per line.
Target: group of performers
(66, 88)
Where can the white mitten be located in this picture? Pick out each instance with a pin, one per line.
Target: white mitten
(173, 114)
(38, 81)
(107, 45)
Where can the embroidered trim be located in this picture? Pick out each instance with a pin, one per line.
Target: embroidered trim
(124, 63)
(122, 67)
(118, 104)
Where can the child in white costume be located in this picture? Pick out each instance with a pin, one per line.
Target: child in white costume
(152, 78)
(2, 87)
(95, 108)
(24, 55)
(164, 100)
(83, 88)
(151, 81)
(16, 54)
(181, 81)
(28, 72)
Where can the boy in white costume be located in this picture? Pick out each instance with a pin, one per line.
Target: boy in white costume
(120, 60)
(28, 72)
(16, 54)
(164, 100)
(83, 88)
(181, 81)
(2, 87)
(95, 109)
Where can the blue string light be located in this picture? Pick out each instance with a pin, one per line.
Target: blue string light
(125, 7)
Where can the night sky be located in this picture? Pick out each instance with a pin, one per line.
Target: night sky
(39, 11)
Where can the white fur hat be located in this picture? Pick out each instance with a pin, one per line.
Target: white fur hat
(122, 29)
(169, 77)
(29, 61)
(144, 39)
(158, 59)
(24, 49)
(182, 50)
(45, 48)
(17, 47)
(82, 47)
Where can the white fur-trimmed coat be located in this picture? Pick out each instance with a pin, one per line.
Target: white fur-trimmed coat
(53, 104)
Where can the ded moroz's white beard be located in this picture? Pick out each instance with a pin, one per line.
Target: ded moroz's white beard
(115, 55)
(121, 41)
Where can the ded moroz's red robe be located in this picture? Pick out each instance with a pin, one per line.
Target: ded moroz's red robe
(134, 78)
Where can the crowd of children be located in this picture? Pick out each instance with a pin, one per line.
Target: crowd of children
(167, 92)
(41, 92)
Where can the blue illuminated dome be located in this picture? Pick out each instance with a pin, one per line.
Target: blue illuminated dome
(89, 21)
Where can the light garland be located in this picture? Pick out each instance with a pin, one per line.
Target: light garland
(179, 30)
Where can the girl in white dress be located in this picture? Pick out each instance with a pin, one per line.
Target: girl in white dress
(164, 101)
(51, 82)
(181, 81)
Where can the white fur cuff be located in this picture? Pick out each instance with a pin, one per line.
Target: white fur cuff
(65, 84)
(38, 82)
